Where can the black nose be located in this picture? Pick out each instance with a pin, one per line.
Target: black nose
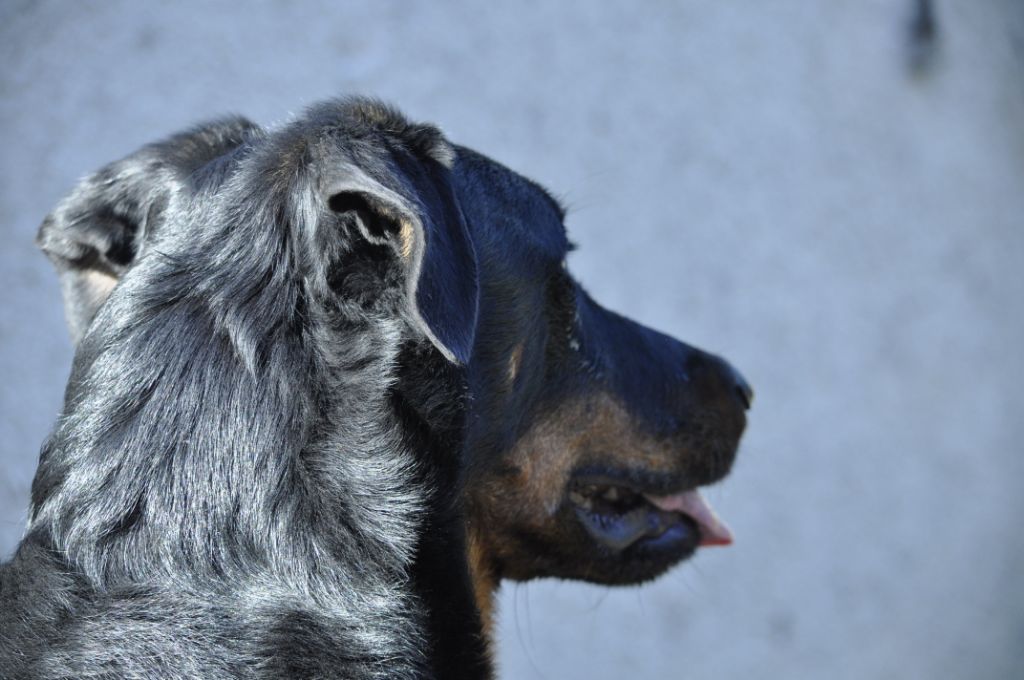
(743, 389)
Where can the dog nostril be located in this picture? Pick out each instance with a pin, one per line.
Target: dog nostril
(746, 395)
(743, 389)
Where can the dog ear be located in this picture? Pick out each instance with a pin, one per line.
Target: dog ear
(98, 230)
(431, 239)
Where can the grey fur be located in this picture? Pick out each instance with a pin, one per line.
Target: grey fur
(229, 492)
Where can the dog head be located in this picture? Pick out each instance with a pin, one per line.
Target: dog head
(591, 434)
(318, 254)
(588, 435)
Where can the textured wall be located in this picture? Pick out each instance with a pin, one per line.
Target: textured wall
(766, 180)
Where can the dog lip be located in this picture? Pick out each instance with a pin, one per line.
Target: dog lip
(642, 480)
(643, 524)
(658, 495)
(636, 483)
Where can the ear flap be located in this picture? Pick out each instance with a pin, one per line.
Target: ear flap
(431, 238)
(96, 232)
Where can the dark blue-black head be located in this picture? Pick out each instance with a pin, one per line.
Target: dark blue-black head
(590, 434)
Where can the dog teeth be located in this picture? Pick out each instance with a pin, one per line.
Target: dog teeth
(581, 500)
(585, 496)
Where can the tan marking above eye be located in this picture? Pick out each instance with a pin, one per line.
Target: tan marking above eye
(515, 360)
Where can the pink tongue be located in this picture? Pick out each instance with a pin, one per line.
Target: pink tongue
(712, 530)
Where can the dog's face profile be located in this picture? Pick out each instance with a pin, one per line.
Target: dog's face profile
(587, 436)
(591, 433)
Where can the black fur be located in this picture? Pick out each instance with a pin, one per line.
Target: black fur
(237, 486)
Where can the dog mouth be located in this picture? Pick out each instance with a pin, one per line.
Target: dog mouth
(620, 516)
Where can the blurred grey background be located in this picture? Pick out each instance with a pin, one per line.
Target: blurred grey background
(800, 186)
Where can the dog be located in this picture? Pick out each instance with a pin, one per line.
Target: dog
(586, 436)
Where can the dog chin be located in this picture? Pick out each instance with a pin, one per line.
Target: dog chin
(566, 548)
(626, 536)
(643, 559)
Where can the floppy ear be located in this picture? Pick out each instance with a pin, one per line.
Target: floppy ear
(98, 230)
(431, 239)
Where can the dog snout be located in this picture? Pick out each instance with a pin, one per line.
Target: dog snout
(742, 388)
(716, 381)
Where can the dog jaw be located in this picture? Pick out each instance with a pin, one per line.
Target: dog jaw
(527, 525)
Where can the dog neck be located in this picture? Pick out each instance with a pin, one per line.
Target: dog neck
(228, 458)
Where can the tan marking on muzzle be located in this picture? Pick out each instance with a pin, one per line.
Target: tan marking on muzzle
(595, 428)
